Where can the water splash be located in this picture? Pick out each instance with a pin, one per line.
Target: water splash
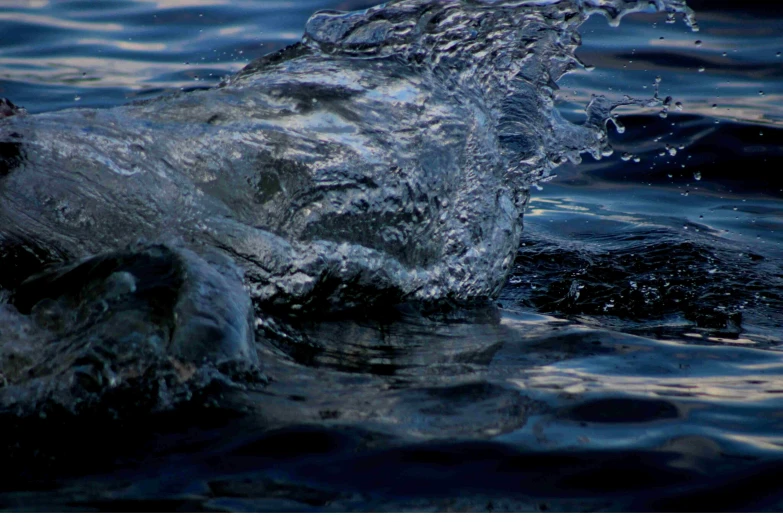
(387, 157)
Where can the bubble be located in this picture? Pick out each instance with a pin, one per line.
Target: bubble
(697, 176)
(698, 43)
(77, 98)
(701, 69)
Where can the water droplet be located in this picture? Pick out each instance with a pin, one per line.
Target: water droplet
(698, 43)
(627, 156)
(77, 98)
(670, 175)
(701, 69)
(725, 54)
(637, 159)
(678, 106)
(714, 105)
(761, 93)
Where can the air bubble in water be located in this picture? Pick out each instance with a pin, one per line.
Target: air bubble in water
(701, 69)
(697, 176)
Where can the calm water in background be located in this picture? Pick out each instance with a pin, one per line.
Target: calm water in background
(643, 350)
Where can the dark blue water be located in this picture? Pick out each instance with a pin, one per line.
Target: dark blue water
(635, 362)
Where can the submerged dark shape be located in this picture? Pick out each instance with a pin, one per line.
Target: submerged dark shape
(151, 315)
(385, 158)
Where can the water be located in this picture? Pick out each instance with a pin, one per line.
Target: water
(633, 363)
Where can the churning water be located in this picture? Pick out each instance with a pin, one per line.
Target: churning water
(355, 203)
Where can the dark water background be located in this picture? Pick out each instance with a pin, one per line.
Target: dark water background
(637, 362)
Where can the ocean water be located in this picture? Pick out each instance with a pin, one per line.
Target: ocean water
(633, 360)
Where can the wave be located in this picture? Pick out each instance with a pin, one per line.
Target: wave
(385, 158)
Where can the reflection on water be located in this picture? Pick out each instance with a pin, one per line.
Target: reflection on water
(640, 329)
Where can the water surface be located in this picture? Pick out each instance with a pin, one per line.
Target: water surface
(634, 361)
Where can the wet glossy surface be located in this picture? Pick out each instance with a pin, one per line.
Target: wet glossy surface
(635, 362)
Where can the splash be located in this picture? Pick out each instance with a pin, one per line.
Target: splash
(386, 157)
